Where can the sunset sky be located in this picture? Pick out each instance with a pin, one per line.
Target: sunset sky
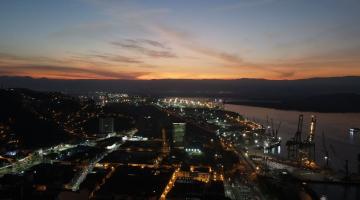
(120, 39)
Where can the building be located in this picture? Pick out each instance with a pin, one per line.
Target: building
(106, 125)
(179, 130)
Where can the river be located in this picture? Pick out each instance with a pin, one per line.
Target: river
(340, 144)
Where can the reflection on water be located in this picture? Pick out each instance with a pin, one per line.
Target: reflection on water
(351, 135)
(346, 192)
(340, 144)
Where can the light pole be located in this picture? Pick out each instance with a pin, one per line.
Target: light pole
(326, 158)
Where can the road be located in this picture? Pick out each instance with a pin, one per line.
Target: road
(38, 156)
(81, 175)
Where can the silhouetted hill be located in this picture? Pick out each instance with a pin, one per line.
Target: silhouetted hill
(315, 94)
(22, 112)
(240, 88)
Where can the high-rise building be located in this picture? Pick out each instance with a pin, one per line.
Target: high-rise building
(106, 125)
(178, 134)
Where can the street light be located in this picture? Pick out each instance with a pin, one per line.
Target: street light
(326, 160)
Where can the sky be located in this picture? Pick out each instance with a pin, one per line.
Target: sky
(184, 39)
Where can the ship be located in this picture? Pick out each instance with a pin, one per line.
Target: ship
(354, 130)
(272, 142)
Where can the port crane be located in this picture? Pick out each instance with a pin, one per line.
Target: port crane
(270, 128)
(275, 131)
(302, 150)
(294, 143)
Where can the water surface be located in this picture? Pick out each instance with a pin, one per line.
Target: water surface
(335, 126)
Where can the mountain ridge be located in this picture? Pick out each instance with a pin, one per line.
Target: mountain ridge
(237, 88)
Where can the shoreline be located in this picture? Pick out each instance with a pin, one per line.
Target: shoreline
(279, 106)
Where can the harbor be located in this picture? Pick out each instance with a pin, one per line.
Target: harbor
(334, 152)
(273, 154)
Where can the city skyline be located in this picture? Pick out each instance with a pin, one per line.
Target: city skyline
(271, 39)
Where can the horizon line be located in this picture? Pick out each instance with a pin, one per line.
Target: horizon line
(177, 79)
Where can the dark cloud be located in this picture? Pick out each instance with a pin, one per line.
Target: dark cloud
(287, 74)
(147, 47)
(116, 58)
(5, 56)
(48, 66)
(71, 71)
(154, 43)
(187, 40)
(226, 57)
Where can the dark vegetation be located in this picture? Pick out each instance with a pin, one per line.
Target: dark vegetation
(21, 112)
